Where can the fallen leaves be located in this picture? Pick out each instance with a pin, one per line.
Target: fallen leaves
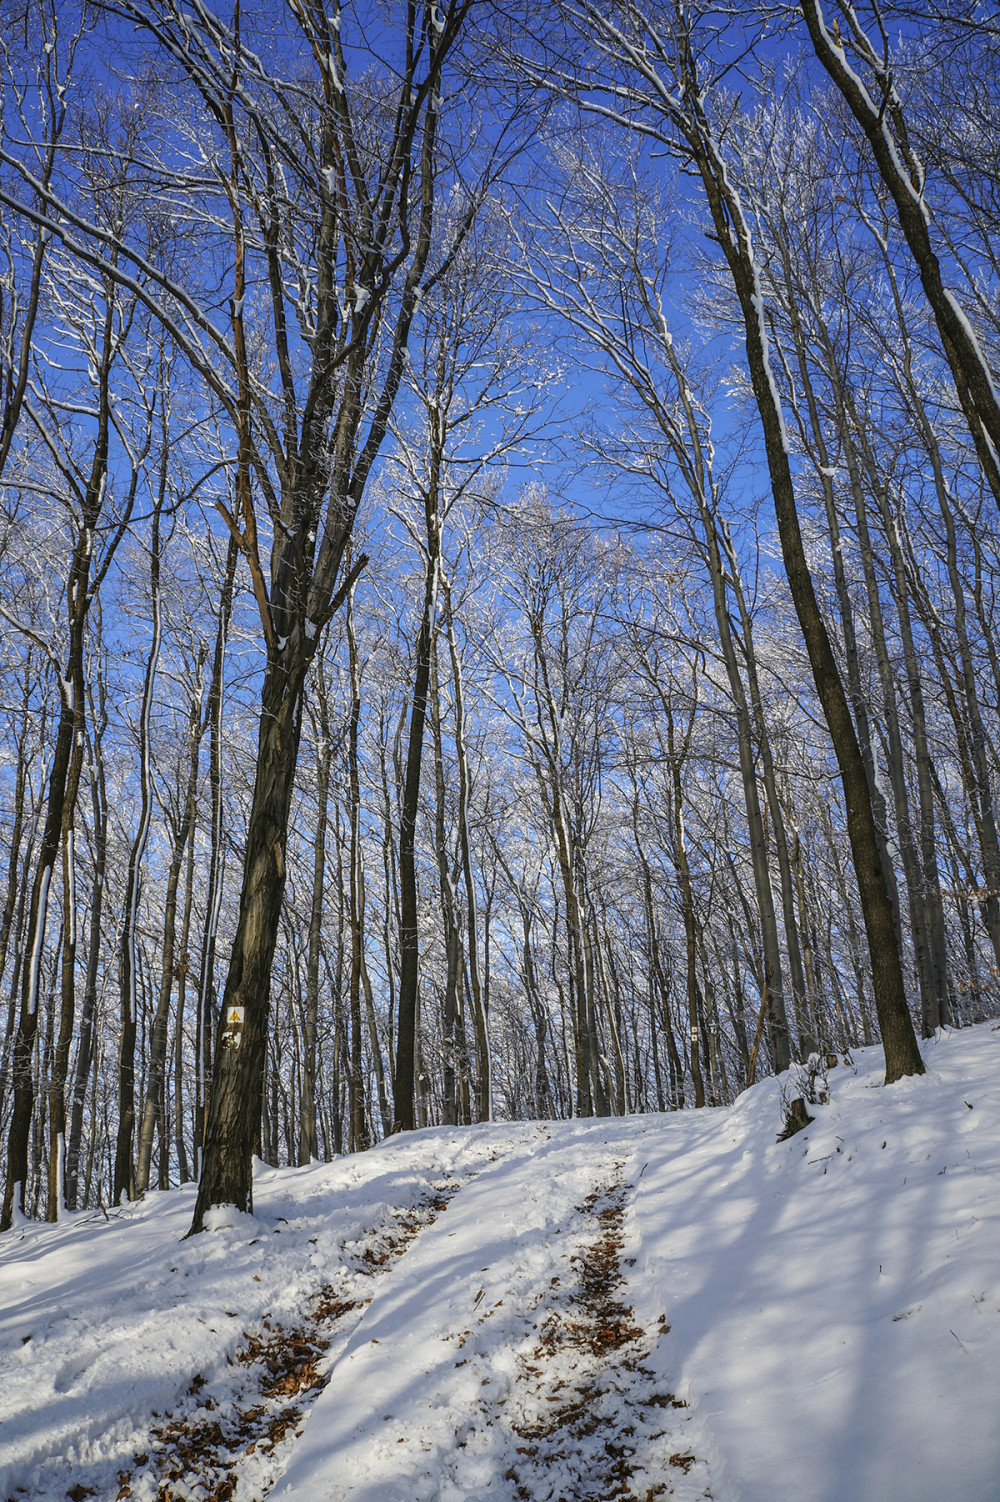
(594, 1326)
(209, 1437)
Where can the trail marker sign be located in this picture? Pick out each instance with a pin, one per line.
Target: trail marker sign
(233, 1030)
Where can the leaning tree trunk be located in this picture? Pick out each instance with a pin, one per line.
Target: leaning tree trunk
(883, 120)
(694, 456)
(928, 968)
(777, 1020)
(813, 439)
(802, 998)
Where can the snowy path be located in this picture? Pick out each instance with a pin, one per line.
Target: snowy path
(122, 1346)
(486, 1367)
(233, 1437)
(579, 1311)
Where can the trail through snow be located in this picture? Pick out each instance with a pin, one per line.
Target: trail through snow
(649, 1307)
(495, 1375)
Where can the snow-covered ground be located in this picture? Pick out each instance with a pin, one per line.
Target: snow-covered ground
(654, 1307)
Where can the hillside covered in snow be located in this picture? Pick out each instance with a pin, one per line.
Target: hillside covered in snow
(660, 1306)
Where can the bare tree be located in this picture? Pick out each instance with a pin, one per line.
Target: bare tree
(606, 272)
(876, 104)
(97, 317)
(643, 72)
(466, 374)
(329, 187)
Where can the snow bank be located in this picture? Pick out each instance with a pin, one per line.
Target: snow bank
(836, 1297)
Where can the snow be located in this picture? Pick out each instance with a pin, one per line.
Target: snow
(970, 335)
(543, 1309)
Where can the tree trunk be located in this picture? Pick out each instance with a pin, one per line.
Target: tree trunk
(358, 1131)
(124, 1175)
(451, 1001)
(19, 1135)
(234, 1105)
(88, 1012)
(308, 1147)
(183, 970)
(409, 957)
(777, 1021)
(803, 997)
(484, 1065)
(694, 998)
(812, 436)
(213, 894)
(156, 1073)
(884, 123)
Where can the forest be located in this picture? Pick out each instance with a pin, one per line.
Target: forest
(498, 594)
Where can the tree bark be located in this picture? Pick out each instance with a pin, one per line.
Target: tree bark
(235, 1101)
(124, 1171)
(404, 1080)
(88, 1012)
(358, 1131)
(308, 1147)
(484, 1063)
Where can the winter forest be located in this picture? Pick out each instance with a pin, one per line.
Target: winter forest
(498, 566)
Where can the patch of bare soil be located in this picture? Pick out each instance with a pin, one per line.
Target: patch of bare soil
(230, 1443)
(596, 1422)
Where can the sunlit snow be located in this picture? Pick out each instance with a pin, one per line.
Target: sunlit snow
(517, 1310)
